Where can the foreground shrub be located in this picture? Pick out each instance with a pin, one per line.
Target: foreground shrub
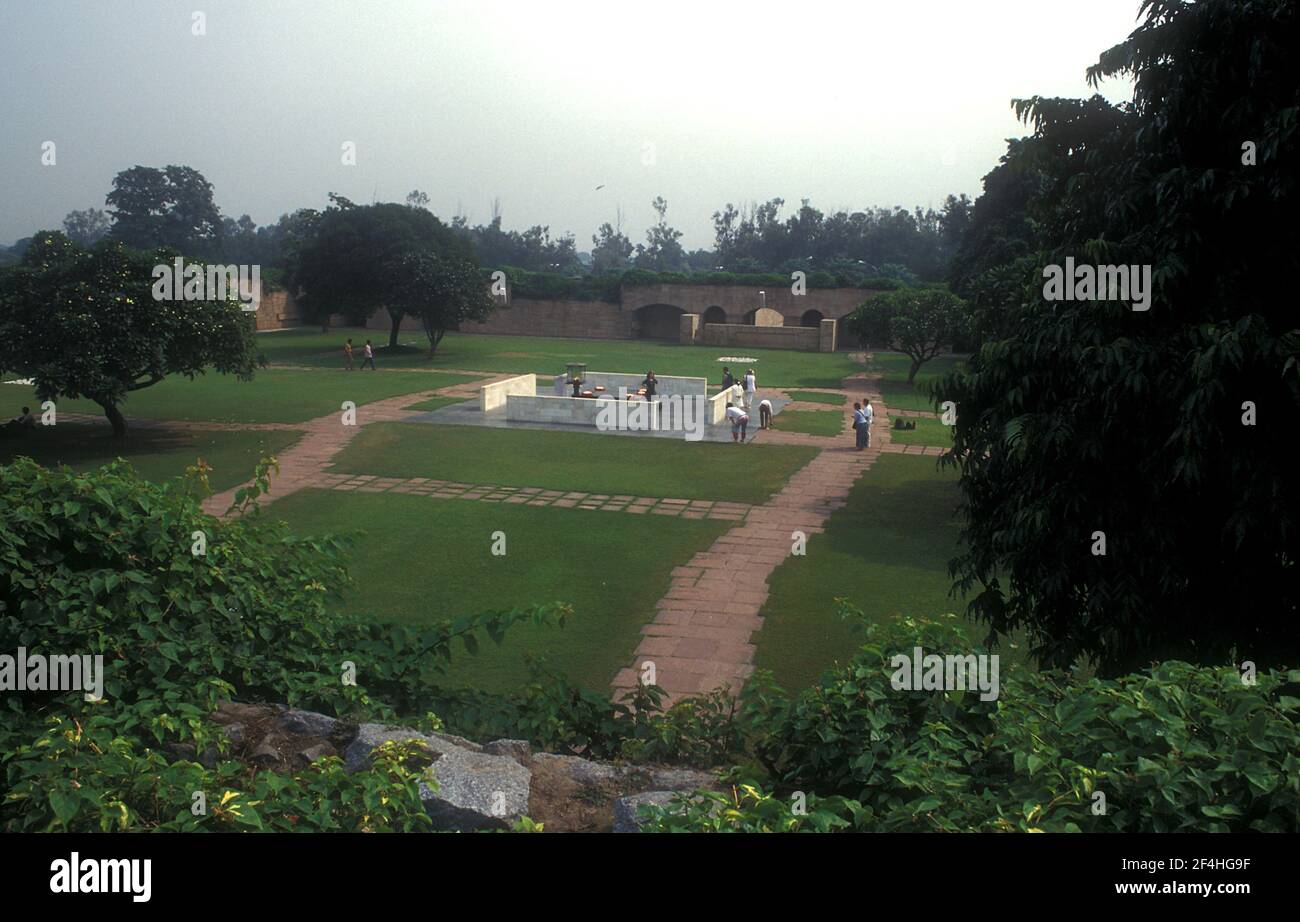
(1177, 748)
(187, 610)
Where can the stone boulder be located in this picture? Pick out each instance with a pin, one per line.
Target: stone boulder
(471, 789)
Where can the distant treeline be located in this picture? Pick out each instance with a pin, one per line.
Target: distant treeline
(173, 206)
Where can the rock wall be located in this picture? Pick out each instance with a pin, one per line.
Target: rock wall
(487, 786)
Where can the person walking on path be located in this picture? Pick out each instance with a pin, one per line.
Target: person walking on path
(859, 424)
(751, 385)
(739, 422)
(347, 353)
(728, 379)
(368, 355)
(765, 414)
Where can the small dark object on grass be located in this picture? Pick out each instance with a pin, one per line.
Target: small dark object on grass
(900, 423)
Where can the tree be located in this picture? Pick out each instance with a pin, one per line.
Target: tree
(85, 228)
(417, 199)
(1128, 476)
(171, 207)
(920, 322)
(441, 289)
(661, 252)
(343, 265)
(84, 323)
(612, 251)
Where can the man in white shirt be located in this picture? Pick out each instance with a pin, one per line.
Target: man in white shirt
(739, 421)
(765, 414)
(864, 429)
(751, 385)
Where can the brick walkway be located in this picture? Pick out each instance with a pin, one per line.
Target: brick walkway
(536, 496)
(700, 638)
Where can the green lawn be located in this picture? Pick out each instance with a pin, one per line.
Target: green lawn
(835, 400)
(422, 559)
(275, 395)
(887, 551)
(813, 422)
(547, 356)
(927, 432)
(897, 393)
(436, 403)
(158, 454)
(574, 461)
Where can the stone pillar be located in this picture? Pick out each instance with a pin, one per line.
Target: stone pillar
(689, 329)
(826, 338)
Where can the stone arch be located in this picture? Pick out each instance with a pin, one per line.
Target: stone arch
(714, 314)
(811, 318)
(657, 321)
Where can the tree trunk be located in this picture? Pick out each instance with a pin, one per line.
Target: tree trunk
(392, 333)
(911, 372)
(115, 417)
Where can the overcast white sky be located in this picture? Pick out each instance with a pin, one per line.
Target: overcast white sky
(849, 104)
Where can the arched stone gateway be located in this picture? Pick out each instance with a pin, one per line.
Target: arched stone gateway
(714, 314)
(811, 318)
(657, 321)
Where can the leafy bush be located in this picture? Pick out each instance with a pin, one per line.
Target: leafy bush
(1177, 748)
(103, 564)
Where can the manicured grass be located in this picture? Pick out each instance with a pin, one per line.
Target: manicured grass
(436, 403)
(421, 560)
(897, 393)
(927, 432)
(813, 422)
(547, 356)
(275, 395)
(158, 454)
(817, 397)
(574, 461)
(886, 551)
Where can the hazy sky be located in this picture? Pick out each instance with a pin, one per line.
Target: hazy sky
(850, 104)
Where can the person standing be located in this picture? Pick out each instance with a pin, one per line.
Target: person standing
(651, 385)
(751, 385)
(859, 425)
(868, 417)
(347, 353)
(739, 422)
(765, 414)
(368, 355)
(728, 379)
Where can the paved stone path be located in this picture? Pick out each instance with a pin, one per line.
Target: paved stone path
(701, 636)
(537, 496)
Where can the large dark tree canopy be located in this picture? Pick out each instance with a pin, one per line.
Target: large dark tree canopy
(344, 263)
(1169, 430)
(85, 323)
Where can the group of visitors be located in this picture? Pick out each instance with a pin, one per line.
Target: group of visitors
(862, 418)
(367, 356)
(739, 415)
(748, 385)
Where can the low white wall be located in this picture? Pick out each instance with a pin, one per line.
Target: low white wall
(612, 381)
(580, 411)
(491, 396)
(717, 411)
